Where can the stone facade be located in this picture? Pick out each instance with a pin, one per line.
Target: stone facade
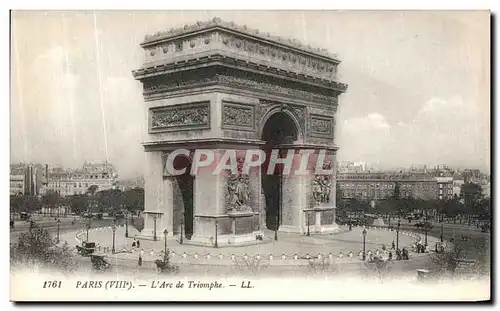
(215, 85)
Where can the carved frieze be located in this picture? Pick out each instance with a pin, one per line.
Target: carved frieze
(200, 25)
(238, 116)
(180, 117)
(322, 126)
(150, 88)
(321, 188)
(290, 59)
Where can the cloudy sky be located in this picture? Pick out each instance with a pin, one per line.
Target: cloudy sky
(418, 83)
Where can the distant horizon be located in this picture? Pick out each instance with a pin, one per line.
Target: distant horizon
(369, 166)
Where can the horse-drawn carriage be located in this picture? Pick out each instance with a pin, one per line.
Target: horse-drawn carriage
(86, 249)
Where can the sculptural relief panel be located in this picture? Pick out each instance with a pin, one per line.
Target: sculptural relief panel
(180, 117)
(238, 116)
(321, 126)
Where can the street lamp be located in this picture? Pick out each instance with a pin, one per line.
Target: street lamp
(216, 227)
(308, 233)
(425, 230)
(58, 222)
(441, 232)
(182, 221)
(154, 232)
(126, 224)
(276, 228)
(397, 234)
(88, 227)
(364, 244)
(114, 231)
(165, 232)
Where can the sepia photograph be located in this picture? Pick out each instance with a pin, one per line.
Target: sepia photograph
(245, 155)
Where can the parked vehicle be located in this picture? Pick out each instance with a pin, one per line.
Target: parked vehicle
(24, 216)
(86, 249)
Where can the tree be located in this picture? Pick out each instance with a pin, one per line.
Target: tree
(30, 204)
(134, 199)
(78, 204)
(92, 190)
(396, 195)
(110, 200)
(51, 199)
(471, 193)
(37, 248)
(16, 203)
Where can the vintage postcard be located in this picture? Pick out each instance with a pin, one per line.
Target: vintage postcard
(250, 156)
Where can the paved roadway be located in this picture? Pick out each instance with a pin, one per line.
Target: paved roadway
(51, 226)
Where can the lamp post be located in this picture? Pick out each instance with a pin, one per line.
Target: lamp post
(308, 232)
(216, 229)
(276, 229)
(397, 234)
(58, 223)
(126, 224)
(88, 227)
(154, 228)
(364, 244)
(165, 232)
(441, 232)
(114, 231)
(425, 230)
(182, 222)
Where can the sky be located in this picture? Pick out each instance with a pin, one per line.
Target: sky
(419, 83)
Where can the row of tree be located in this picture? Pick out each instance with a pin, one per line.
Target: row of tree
(106, 201)
(470, 202)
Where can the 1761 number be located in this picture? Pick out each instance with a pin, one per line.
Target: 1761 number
(52, 284)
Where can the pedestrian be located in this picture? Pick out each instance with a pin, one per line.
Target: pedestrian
(436, 248)
(390, 255)
(393, 245)
(138, 243)
(133, 243)
(141, 254)
(398, 254)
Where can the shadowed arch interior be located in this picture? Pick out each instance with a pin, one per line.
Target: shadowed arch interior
(279, 129)
(186, 184)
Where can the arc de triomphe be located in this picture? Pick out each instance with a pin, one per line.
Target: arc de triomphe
(215, 85)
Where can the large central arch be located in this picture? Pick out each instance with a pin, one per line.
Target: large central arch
(278, 130)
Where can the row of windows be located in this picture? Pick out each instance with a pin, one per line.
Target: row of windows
(378, 194)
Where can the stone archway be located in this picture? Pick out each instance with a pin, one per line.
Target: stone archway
(278, 129)
(218, 86)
